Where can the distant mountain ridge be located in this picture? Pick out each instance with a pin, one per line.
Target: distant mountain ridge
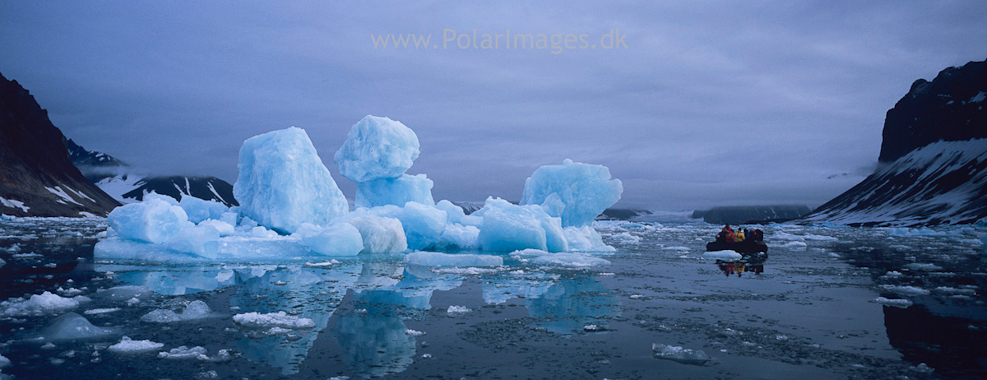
(933, 156)
(37, 177)
(751, 214)
(117, 179)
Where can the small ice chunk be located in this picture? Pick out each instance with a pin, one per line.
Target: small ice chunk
(584, 190)
(906, 290)
(102, 311)
(339, 239)
(453, 309)
(896, 302)
(200, 209)
(413, 332)
(194, 310)
(283, 183)
(723, 255)
(129, 346)
(72, 326)
(278, 319)
(679, 354)
(154, 220)
(4, 362)
(436, 259)
(923, 267)
(377, 147)
(183, 352)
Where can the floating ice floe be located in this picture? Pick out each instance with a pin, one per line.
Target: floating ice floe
(679, 354)
(129, 346)
(39, 304)
(723, 255)
(452, 310)
(906, 290)
(193, 311)
(72, 326)
(896, 302)
(279, 319)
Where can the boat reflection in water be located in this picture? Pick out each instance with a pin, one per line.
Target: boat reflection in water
(749, 262)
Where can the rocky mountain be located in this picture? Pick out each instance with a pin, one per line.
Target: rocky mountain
(933, 158)
(751, 214)
(120, 181)
(37, 177)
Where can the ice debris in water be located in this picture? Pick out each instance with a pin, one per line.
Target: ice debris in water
(283, 183)
(195, 310)
(124, 293)
(39, 304)
(183, 352)
(72, 326)
(436, 259)
(278, 319)
(458, 309)
(577, 192)
(566, 259)
(723, 255)
(129, 346)
(679, 354)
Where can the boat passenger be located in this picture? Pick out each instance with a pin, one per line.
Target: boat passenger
(739, 236)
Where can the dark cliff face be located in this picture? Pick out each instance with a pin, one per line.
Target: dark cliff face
(950, 108)
(37, 177)
(751, 214)
(934, 158)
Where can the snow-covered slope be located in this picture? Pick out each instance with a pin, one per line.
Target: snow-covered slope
(941, 183)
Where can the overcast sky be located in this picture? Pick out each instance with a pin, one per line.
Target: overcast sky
(703, 104)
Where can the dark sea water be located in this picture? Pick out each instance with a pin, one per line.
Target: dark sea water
(831, 303)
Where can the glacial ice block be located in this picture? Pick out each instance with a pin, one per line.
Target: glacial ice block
(423, 224)
(508, 227)
(200, 209)
(377, 147)
(380, 234)
(338, 239)
(585, 190)
(394, 191)
(154, 220)
(283, 183)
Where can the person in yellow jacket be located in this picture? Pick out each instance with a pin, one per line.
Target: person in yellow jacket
(738, 236)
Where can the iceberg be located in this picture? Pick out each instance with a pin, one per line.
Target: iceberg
(283, 183)
(508, 227)
(154, 220)
(394, 191)
(375, 148)
(581, 191)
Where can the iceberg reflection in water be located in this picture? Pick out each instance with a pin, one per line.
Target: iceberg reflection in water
(836, 303)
